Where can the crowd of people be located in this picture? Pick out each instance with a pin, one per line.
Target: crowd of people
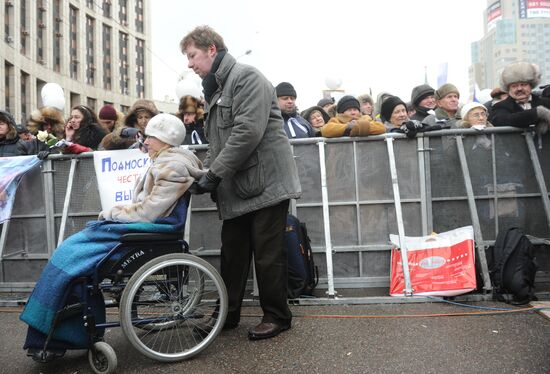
(513, 104)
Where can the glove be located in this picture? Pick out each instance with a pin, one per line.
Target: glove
(207, 183)
(410, 129)
(128, 132)
(42, 155)
(63, 144)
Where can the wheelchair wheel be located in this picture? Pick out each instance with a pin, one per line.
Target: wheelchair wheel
(102, 358)
(173, 307)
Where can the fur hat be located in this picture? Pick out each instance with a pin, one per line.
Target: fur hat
(520, 72)
(189, 104)
(468, 107)
(167, 128)
(285, 89)
(389, 105)
(347, 102)
(446, 89)
(108, 112)
(421, 92)
(44, 116)
(365, 98)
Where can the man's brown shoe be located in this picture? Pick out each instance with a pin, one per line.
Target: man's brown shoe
(266, 330)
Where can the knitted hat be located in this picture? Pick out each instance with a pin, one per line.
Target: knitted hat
(325, 101)
(446, 89)
(347, 102)
(517, 72)
(167, 128)
(421, 92)
(285, 89)
(389, 105)
(468, 107)
(108, 112)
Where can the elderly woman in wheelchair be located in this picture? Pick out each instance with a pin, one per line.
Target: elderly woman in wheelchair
(171, 305)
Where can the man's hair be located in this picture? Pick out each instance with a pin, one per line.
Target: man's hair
(202, 37)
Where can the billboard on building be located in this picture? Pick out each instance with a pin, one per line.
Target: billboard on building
(494, 14)
(534, 8)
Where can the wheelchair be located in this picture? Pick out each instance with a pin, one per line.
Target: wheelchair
(171, 304)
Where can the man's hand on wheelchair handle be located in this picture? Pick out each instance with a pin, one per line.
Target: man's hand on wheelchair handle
(207, 183)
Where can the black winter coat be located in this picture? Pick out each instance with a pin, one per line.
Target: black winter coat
(509, 113)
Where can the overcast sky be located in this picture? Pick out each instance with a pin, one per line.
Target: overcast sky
(368, 45)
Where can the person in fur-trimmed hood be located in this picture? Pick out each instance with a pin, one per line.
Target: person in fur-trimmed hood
(521, 108)
(350, 122)
(10, 144)
(192, 115)
(136, 119)
(140, 113)
(48, 119)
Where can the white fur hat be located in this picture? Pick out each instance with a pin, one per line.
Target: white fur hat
(467, 107)
(525, 72)
(167, 128)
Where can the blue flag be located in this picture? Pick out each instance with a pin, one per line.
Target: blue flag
(12, 170)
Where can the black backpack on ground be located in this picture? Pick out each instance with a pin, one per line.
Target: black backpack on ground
(302, 272)
(512, 267)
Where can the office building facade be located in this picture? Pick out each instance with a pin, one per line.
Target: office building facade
(96, 50)
(514, 30)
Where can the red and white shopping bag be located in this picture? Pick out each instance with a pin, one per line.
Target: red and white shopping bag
(439, 264)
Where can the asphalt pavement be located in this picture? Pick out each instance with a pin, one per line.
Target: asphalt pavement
(357, 338)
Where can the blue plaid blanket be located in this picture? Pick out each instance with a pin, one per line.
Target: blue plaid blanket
(77, 256)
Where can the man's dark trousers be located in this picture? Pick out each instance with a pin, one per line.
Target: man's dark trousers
(261, 233)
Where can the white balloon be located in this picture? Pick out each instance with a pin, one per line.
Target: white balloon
(484, 95)
(188, 87)
(333, 83)
(53, 96)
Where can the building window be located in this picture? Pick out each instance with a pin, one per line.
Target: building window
(139, 16)
(90, 50)
(57, 23)
(23, 17)
(25, 102)
(90, 4)
(107, 58)
(92, 103)
(8, 87)
(8, 22)
(123, 12)
(40, 27)
(107, 8)
(123, 64)
(140, 68)
(73, 15)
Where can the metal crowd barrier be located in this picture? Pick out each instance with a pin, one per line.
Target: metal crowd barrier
(356, 191)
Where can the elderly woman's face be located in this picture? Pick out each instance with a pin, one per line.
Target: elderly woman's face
(399, 115)
(153, 145)
(316, 119)
(477, 116)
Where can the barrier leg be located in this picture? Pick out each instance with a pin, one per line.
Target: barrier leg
(473, 214)
(326, 219)
(399, 214)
